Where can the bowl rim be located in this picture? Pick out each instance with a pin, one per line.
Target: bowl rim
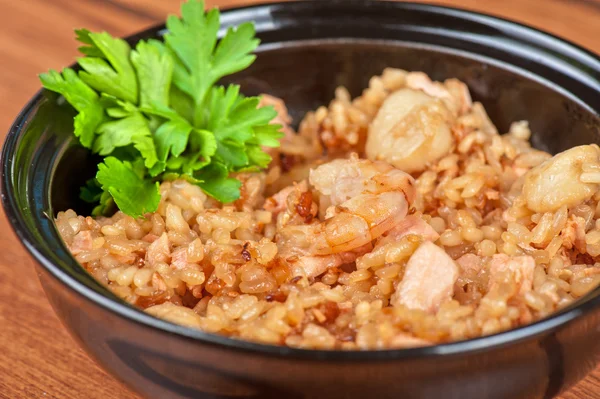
(123, 310)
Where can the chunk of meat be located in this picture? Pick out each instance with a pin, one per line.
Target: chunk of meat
(82, 242)
(159, 250)
(158, 282)
(520, 269)
(573, 234)
(428, 280)
(278, 202)
(179, 259)
(470, 263)
(411, 224)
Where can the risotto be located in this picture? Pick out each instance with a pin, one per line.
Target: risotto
(400, 218)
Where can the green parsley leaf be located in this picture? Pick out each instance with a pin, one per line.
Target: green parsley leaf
(111, 73)
(133, 129)
(182, 104)
(193, 38)
(257, 156)
(204, 147)
(214, 181)
(91, 192)
(203, 142)
(106, 207)
(170, 137)
(81, 97)
(154, 72)
(242, 118)
(156, 112)
(234, 52)
(88, 48)
(267, 135)
(219, 105)
(133, 195)
(232, 154)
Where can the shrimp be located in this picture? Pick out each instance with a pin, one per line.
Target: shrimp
(412, 224)
(367, 199)
(314, 266)
(344, 179)
(410, 131)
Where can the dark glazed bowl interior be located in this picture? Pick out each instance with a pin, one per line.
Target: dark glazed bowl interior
(308, 49)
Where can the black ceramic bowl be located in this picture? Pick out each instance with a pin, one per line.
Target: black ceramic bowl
(309, 48)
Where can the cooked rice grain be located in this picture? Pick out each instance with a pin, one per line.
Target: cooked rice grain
(227, 269)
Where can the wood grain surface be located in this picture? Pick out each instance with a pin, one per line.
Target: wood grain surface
(38, 359)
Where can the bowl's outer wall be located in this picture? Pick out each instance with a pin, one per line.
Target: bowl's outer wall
(40, 157)
(160, 365)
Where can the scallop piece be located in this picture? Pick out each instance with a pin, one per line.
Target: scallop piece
(568, 178)
(410, 131)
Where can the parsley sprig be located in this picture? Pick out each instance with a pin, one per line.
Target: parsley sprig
(156, 112)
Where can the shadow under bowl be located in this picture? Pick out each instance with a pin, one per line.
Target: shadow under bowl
(308, 49)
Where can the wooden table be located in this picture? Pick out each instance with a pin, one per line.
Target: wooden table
(37, 357)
